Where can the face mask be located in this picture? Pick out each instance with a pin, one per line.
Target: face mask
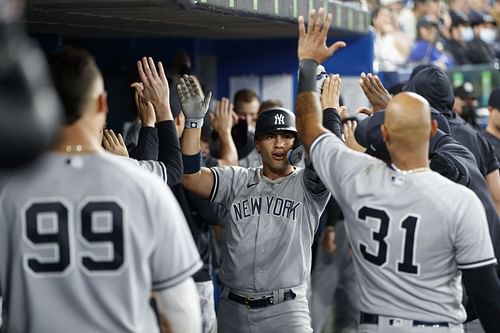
(487, 35)
(467, 34)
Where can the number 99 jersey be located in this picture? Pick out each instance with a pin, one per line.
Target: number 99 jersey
(410, 233)
(84, 239)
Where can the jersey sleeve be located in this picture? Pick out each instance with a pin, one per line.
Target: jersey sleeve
(227, 181)
(154, 167)
(472, 239)
(335, 163)
(492, 163)
(175, 256)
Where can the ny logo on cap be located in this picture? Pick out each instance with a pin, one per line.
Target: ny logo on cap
(279, 119)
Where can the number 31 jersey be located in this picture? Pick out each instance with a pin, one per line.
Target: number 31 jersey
(84, 239)
(410, 233)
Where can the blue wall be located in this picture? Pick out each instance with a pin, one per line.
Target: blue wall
(117, 59)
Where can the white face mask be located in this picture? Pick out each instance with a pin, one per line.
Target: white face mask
(487, 35)
(466, 34)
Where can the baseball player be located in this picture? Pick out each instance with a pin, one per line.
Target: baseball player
(414, 234)
(274, 210)
(85, 236)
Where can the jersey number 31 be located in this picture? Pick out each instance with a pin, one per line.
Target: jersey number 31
(380, 258)
(48, 229)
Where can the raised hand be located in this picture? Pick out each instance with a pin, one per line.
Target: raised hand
(222, 118)
(350, 139)
(328, 242)
(193, 103)
(375, 91)
(155, 85)
(330, 95)
(145, 109)
(114, 143)
(312, 40)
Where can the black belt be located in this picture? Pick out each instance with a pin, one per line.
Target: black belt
(253, 303)
(368, 318)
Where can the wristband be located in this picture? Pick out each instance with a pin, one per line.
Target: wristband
(192, 163)
(307, 75)
(193, 123)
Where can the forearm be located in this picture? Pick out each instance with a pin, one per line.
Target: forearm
(483, 288)
(181, 307)
(332, 121)
(309, 116)
(163, 112)
(169, 151)
(147, 145)
(228, 152)
(190, 141)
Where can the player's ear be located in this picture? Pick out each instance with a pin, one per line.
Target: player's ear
(102, 102)
(434, 127)
(385, 134)
(257, 145)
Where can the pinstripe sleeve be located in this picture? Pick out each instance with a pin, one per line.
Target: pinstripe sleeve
(472, 239)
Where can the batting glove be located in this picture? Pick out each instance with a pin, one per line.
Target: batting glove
(193, 103)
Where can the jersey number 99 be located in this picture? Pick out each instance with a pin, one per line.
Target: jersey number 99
(57, 235)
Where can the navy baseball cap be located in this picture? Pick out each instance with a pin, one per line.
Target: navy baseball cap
(494, 100)
(369, 135)
(427, 21)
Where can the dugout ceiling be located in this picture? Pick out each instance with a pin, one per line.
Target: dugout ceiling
(217, 19)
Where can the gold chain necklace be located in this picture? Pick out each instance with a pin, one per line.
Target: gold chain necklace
(78, 149)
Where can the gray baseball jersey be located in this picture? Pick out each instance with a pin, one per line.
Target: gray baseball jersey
(84, 239)
(155, 167)
(268, 241)
(252, 160)
(410, 233)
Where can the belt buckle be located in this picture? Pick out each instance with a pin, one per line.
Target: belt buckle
(248, 299)
(396, 322)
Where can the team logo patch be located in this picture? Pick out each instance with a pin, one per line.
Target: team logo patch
(279, 119)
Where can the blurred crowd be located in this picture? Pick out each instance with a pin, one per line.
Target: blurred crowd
(443, 33)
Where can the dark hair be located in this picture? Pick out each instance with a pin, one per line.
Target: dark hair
(73, 71)
(244, 96)
(269, 104)
(375, 13)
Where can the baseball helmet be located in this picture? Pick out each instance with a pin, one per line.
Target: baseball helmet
(275, 119)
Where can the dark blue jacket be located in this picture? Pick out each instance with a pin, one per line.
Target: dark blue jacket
(433, 84)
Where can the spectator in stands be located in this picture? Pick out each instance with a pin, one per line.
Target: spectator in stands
(459, 8)
(391, 46)
(460, 34)
(466, 103)
(408, 19)
(492, 131)
(480, 49)
(425, 50)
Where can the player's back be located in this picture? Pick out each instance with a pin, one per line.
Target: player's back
(79, 238)
(410, 238)
(410, 233)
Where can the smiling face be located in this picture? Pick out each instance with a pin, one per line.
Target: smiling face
(273, 148)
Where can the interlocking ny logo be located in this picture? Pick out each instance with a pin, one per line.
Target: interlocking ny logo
(279, 119)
